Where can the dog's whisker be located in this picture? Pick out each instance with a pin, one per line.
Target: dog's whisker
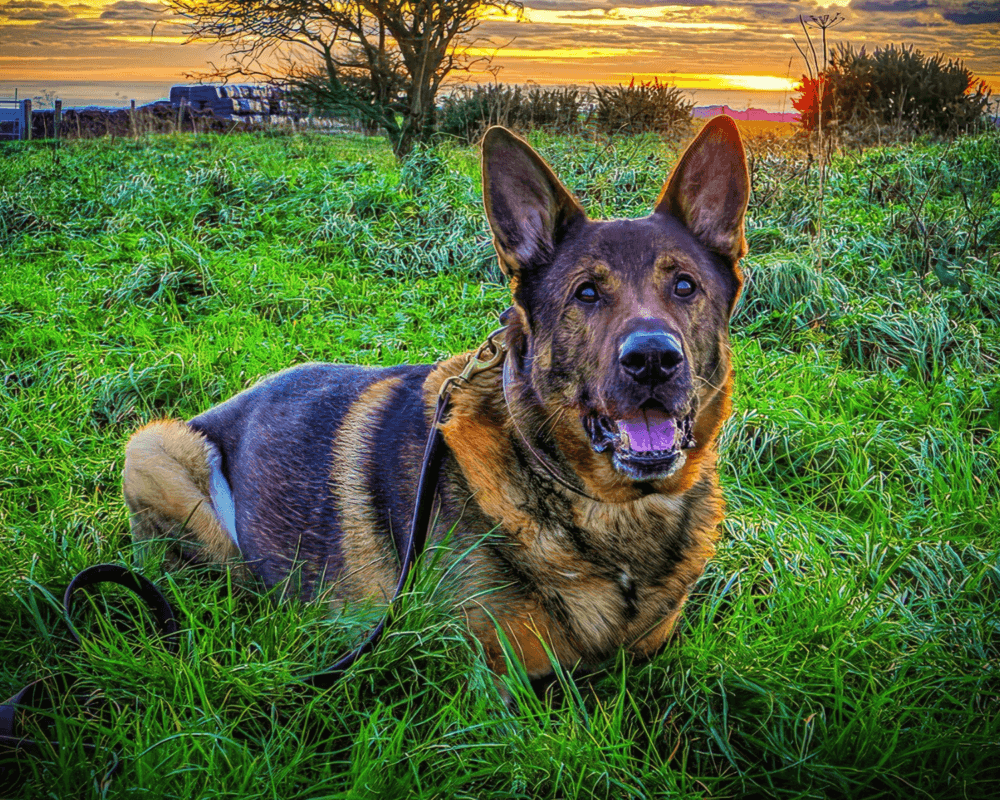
(551, 421)
(701, 382)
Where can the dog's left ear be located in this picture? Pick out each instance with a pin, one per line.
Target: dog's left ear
(709, 188)
(528, 208)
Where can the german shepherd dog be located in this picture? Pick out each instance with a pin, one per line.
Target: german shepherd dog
(579, 485)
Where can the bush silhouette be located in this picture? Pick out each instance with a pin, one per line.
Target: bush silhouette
(895, 87)
(644, 107)
(468, 112)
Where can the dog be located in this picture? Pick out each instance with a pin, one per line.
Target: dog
(579, 485)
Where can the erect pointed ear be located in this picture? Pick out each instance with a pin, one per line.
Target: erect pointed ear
(526, 205)
(709, 188)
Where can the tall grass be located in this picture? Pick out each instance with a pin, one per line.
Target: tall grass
(844, 642)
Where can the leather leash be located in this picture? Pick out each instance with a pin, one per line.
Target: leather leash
(489, 355)
(43, 696)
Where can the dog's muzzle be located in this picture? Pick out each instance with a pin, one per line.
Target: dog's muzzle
(646, 445)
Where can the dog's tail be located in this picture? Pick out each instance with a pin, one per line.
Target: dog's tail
(175, 491)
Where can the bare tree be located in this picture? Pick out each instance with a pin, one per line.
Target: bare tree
(382, 61)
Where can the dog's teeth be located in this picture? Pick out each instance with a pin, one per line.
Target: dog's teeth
(626, 442)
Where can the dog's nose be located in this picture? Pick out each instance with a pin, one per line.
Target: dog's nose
(650, 356)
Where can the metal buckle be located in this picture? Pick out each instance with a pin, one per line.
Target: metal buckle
(489, 356)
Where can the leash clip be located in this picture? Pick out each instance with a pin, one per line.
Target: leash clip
(489, 356)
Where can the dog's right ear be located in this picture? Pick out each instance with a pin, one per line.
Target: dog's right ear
(526, 205)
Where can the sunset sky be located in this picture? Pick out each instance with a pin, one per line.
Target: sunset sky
(697, 44)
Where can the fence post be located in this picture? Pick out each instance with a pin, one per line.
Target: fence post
(131, 117)
(57, 117)
(27, 121)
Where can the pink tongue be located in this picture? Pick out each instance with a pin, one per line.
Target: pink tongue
(649, 430)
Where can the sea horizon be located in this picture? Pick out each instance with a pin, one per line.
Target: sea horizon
(119, 94)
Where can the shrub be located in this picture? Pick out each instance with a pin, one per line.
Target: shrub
(784, 294)
(555, 109)
(921, 338)
(467, 113)
(895, 87)
(650, 107)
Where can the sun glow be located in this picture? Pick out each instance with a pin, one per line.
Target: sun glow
(150, 39)
(610, 70)
(697, 80)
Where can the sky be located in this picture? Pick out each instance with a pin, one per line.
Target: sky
(699, 44)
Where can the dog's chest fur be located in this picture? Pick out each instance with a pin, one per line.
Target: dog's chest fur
(585, 576)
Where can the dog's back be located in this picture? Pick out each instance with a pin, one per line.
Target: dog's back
(318, 461)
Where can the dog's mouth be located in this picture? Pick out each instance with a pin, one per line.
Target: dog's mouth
(646, 445)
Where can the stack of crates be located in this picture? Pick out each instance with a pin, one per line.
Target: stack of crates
(244, 103)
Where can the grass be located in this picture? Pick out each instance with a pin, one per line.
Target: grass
(845, 641)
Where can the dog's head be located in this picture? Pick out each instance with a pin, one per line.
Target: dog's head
(620, 327)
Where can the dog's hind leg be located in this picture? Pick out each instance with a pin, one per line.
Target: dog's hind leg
(176, 492)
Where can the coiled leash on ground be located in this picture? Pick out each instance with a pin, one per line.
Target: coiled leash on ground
(44, 696)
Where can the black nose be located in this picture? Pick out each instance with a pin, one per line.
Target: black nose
(650, 356)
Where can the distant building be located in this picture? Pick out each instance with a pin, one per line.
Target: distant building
(752, 114)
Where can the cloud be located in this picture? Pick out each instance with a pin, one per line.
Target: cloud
(976, 12)
(889, 5)
(34, 12)
(636, 36)
(679, 10)
(753, 38)
(564, 5)
(131, 10)
(74, 25)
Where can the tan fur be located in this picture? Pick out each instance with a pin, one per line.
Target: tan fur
(477, 433)
(529, 632)
(166, 489)
(371, 555)
(650, 643)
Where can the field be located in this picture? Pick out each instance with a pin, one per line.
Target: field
(845, 642)
(755, 127)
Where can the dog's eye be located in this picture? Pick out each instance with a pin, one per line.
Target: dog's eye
(587, 293)
(684, 287)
